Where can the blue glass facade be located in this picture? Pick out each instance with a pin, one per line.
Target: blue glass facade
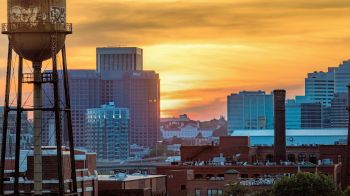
(107, 130)
(250, 110)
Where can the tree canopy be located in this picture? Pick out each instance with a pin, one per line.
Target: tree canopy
(305, 184)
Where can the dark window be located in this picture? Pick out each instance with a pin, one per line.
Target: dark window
(301, 157)
(313, 158)
(291, 158)
(269, 157)
(183, 187)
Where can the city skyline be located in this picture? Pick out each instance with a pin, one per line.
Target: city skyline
(205, 51)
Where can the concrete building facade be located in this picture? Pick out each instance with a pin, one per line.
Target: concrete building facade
(116, 59)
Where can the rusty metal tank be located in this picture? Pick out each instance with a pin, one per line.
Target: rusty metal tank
(31, 25)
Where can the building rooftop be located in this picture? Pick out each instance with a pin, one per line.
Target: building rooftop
(123, 177)
(294, 132)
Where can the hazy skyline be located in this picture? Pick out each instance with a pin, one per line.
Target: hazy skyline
(205, 50)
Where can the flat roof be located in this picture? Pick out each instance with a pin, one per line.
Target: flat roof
(127, 177)
(293, 132)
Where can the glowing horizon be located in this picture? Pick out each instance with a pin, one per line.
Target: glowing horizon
(205, 50)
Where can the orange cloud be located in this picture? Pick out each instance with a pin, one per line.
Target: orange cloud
(205, 50)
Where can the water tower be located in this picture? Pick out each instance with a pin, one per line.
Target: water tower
(36, 32)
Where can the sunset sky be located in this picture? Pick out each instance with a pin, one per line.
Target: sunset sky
(207, 49)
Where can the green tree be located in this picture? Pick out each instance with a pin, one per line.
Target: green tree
(305, 184)
(236, 189)
(346, 192)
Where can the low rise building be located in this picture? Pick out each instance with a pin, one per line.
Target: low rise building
(134, 185)
(205, 169)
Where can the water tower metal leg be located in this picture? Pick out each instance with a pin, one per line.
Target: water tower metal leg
(18, 124)
(5, 121)
(57, 116)
(69, 119)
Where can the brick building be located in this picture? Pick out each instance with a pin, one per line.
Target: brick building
(134, 185)
(204, 168)
(85, 169)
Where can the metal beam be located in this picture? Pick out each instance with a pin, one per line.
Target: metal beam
(69, 119)
(18, 124)
(57, 115)
(5, 120)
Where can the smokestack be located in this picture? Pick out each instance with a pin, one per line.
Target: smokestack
(280, 125)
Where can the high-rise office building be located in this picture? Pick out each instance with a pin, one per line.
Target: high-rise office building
(26, 131)
(319, 86)
(85, 88)
(293, 114)
(302, 113)
(139, 91)
(107, 130)
(116, 59)
(311, 115)
(342, 77)
(339, 114)
(250, 110)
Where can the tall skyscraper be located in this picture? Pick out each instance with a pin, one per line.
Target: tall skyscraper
(319, 86)
(26, 131)
(116, 59)
(250, 110)
(302, 113)
(339, 115)
(107, 130)
(311, 115)
(139, 91)
(342, 77)
(85, 88)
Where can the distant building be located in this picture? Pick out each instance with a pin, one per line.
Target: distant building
(250, 110)
(116, 59)
(136, 184)
(339, 115)
(137, 90)
(85, 88)
(295, 137)
(107, 132)
(138, 152)
(87, 178)
(311, 115)
(319, 86)
(342, 77)
(26, 132)
(183, 130)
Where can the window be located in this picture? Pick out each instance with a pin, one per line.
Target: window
(215, 192)
(197, 192)
(301, 157)
(339, 159)
(183, 187)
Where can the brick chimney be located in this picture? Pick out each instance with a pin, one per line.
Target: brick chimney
(279, 125)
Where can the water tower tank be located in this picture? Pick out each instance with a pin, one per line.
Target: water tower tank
(31, 23)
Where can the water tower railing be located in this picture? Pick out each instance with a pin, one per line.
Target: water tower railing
(35, 27)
